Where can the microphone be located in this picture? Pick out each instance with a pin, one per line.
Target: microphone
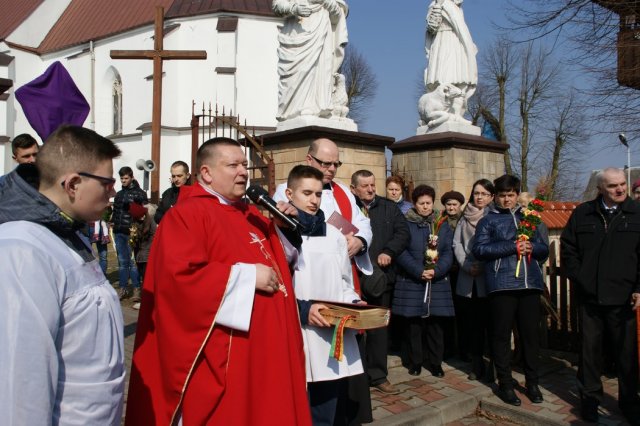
(258, 195)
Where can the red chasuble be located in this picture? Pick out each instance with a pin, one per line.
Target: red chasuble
(184, 364)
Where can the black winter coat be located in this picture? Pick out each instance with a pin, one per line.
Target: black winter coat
(408, 295)
(391, 237)
(603, 261)
(169, 199)
(121, 218)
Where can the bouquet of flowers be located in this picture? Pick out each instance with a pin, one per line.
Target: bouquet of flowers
(431, 251)
(526, 229)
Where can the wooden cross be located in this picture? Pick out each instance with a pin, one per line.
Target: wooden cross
(158, 55)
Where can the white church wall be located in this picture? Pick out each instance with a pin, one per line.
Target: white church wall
(257, 71)
(36, 27)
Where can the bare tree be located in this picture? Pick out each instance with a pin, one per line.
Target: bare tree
(567, 151)
(591, 32)
(499, 62)
(537, 79)
(361, 83)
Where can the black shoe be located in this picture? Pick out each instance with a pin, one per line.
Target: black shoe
(415, 370)
(631, 412)
(589, 409)
(534, 394)
(477, 369)
(508, 395)
(436, 371)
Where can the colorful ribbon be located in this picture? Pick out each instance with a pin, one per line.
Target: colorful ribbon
(337, 342)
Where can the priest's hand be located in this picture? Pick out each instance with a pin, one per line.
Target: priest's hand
(354, 245)
(315, 318)
(266, 279)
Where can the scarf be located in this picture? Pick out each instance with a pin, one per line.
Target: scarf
(414, 217)
(453, 220)
(472, 216)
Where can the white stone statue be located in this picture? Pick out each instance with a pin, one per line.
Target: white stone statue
(451, 75)
(311, 50)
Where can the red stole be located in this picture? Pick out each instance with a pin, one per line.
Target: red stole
(345, 209)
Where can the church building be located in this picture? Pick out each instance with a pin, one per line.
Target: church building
(240, 72)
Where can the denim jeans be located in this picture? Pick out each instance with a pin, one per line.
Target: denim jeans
(102, 256)
(126, 265)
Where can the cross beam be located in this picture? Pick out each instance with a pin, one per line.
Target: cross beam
(158, 55)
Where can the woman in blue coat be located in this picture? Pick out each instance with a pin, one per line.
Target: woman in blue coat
(422, 313)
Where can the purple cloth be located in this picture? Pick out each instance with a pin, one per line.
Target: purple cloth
(52, 99)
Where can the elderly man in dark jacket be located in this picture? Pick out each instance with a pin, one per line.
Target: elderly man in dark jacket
(513, 295)
(390, 238)
(600, 252)
(121, 220)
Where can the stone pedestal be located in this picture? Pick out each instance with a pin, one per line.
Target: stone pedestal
(357, 151)
(312, 120)
(450, 126)
(448, 161)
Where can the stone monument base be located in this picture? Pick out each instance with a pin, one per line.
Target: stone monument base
(339, 123)
(357, 151)
(448, 161)
(450, 126)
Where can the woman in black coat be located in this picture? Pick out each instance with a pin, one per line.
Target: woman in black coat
(422, 295)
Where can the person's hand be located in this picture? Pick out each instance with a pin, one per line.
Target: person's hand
(384, 260)
(288, 210)
(428, 274)
(525, 247)
(635, 301)
(361, 302)
(302, 10)
(266, 279)
(475, 269)
(316, 318)
(354, 245)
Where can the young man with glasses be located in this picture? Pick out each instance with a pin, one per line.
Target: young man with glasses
(121, 220)
(61, 341)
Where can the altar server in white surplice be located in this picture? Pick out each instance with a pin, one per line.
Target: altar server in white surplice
(61, 334)
(324, 156)
(325, 276)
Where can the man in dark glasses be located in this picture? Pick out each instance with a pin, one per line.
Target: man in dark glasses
(61, 338)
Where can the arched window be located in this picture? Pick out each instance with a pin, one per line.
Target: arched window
(116, 94)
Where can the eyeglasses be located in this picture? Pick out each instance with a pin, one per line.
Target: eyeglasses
(107, 182)
(481, 194)
(327, 164)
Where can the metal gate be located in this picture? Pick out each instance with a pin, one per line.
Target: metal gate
(210, 124)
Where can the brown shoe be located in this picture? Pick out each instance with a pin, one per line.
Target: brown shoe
(136, 295)
(387, 387)
(124, 293)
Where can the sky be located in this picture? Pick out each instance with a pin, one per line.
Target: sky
(390, 35)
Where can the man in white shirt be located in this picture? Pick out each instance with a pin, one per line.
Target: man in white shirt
(61, 338)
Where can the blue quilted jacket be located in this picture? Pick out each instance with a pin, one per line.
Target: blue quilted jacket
(495, 244)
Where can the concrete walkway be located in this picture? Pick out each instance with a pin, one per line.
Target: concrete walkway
(453, 400)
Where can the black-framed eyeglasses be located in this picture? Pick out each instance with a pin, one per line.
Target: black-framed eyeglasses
(327, 164)
(107, 182)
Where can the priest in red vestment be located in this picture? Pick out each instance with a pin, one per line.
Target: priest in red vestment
(218, 339)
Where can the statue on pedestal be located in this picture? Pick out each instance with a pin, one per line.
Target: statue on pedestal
(311, 50)
(451, 75)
